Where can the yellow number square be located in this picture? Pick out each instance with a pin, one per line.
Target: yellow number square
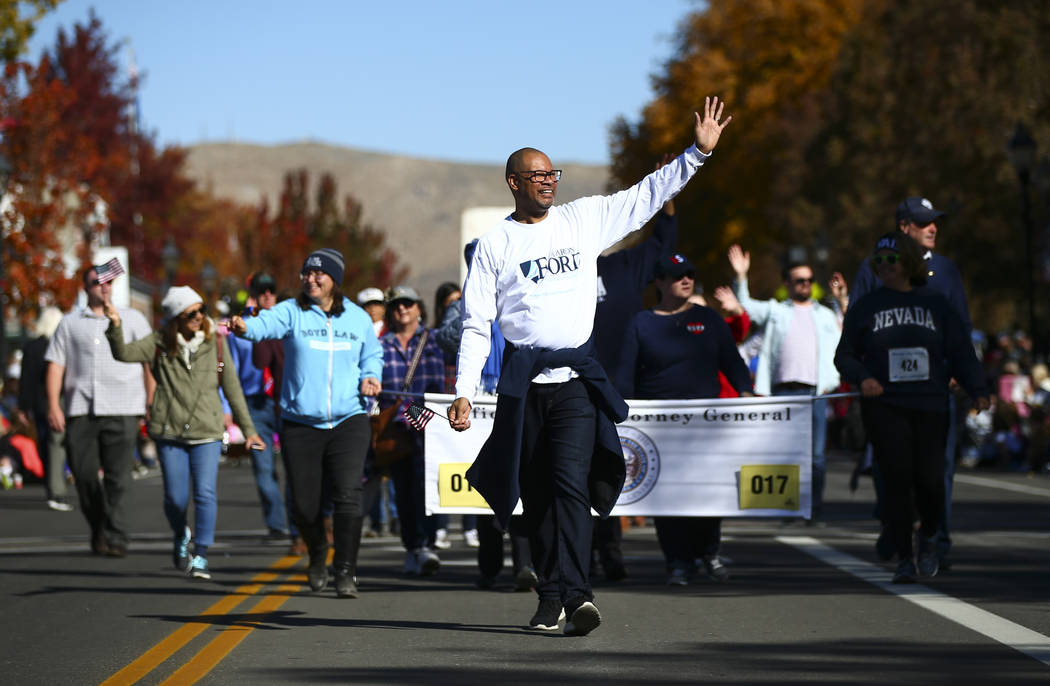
(769, 487)
(453, 488)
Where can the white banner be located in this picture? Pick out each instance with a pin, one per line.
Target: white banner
(728, 457)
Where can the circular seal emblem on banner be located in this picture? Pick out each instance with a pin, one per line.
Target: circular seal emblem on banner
(642, 461)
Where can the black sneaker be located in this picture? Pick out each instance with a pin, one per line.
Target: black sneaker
(525, 579)
(927, 557)
(906, 573)
(345, 583)
(583, 620)
(317, 574)
(715, 569)
(548, 614)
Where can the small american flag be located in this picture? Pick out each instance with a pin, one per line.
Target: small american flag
(109, 271)
(418, 415)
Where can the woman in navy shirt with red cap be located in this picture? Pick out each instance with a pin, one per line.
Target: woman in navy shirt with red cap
(675, 351)
(900, 345)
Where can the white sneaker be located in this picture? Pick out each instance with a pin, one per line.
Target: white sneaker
(412, 562)
(471, 537)
(59, 505)
(441, 541)
(428, 562)
(583, 620)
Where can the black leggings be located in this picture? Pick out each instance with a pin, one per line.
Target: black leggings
(909, 449)
(314, 458)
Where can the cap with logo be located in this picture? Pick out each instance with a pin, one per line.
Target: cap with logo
(674, 267)
(370, 295)
(917, 210)
(402, 293)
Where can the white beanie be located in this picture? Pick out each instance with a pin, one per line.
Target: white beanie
(177, 300)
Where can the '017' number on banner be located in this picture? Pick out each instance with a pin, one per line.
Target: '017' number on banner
(769, 487)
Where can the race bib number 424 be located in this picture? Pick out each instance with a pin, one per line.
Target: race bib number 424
(909, 364)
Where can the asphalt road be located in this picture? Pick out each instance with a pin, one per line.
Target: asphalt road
(805, 604)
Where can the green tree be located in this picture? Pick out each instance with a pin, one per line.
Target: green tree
(922, 102)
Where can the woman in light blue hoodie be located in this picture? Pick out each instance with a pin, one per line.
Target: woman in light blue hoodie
(333, 360)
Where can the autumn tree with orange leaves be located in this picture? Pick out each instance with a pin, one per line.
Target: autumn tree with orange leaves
(842, 108)
(280, 243)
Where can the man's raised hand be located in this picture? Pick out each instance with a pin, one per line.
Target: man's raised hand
(740, 261)
(708, 127)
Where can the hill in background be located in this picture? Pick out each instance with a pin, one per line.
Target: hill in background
(417, 203)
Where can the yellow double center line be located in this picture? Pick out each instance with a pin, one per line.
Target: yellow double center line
(211, 654)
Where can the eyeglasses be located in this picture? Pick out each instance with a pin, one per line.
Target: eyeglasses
(802, 282)
(540, 176)
(94, 282)
(192, 314)
(888, 259)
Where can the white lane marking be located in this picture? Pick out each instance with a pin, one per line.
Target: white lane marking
(1031, 643)
(1005, 485)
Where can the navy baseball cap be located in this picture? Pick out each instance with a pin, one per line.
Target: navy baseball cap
(917, 210)
(674, 267)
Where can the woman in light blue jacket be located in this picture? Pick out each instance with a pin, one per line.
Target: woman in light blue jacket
(333, 360)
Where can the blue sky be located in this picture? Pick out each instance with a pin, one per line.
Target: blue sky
(454, 80)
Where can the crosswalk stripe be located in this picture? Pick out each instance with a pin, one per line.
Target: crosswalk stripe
(1022, 639)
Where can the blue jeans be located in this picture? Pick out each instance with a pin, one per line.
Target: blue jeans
(260, 407)
(820, 435)
(181, 462)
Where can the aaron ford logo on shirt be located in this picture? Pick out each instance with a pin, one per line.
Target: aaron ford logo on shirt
(562, 261)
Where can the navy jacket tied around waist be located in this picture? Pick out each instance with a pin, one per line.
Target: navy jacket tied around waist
(495, 471)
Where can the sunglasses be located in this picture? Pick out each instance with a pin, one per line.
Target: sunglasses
(888, 259)
(407, 304)
(801, 282)
(191, 314)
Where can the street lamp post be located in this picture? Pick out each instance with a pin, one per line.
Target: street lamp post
(1021, 150)
(169, 255)
(209, 278)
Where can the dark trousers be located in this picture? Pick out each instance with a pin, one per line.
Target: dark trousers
(105, 443)
(417, 530)
(909, 450)
(557, 444)
(608, 541)
(683, 539)
(315, 458)
(490, 545)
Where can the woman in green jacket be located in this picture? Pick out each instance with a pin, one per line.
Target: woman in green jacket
(185, 417)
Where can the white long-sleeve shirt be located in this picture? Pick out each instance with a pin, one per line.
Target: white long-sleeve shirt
(540, 281)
